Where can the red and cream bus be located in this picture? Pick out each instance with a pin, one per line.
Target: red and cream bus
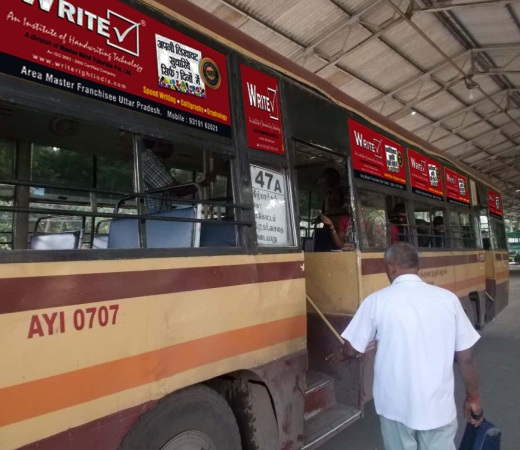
(163, 179)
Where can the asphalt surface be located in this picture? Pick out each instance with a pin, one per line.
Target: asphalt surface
(498, 359)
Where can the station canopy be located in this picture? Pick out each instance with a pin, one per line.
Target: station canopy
(449, 71)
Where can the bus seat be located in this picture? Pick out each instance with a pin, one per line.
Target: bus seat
(218, 234)
(100, 241)
(55, 241)
(124, 233)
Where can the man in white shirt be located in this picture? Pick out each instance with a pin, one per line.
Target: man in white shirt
(419, 328)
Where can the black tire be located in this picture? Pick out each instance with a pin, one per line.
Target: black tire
(195, 408)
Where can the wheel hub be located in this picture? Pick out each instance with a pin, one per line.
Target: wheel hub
(190, 440)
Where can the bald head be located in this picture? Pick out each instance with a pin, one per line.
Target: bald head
(401, 259)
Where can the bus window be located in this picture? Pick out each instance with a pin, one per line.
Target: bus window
(439, 229)
(484, 230)
(7, 158)
(468, 234)
(399, 225)
(454, 229)
(373, 220)
(325, 219)
(423, 224)
(498, 236)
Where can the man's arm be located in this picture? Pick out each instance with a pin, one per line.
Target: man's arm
(468, 372)
(346, 351)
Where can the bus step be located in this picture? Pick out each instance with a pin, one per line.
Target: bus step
(319, 394)
(327, 424)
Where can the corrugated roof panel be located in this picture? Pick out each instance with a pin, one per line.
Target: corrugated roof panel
(440, 105)
(266, 10)
(449, 141)
(489, 25)
(416, 48)
(417, 90)
(411, 122)
(433, 134)
(476, 130)
(360, 91)
(307, 19)
(379, 65)
(461, 120)
(343, 41)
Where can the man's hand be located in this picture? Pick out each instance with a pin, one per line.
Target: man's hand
(336, 357)
(473, 408)
(326, 221)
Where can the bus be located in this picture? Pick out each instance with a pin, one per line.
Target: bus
(186, 217)
(513, 244)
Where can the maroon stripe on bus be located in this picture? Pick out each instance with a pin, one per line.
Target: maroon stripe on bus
(26, 294)
(377, 265)
(105, 433)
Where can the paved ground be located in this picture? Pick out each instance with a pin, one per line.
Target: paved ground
(498, 356)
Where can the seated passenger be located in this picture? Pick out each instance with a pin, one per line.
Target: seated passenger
(156, 176)
(439, 230)
(423, 232)
(335, 197)
(398, 224)
(343, 237)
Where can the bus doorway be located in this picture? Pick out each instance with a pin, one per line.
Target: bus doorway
(328, 241)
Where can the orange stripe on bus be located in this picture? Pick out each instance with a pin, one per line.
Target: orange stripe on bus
(468, 283)
(35, 398)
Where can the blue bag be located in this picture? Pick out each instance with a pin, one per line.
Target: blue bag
(484, 437)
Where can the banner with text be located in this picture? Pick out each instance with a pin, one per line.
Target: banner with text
(376, 158)
(495, 205)
(111, 52)
(457, 190)
(425, 174)
(272, 227)
(262, 111)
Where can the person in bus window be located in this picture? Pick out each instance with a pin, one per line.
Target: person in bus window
(156, 176)
(335, 196)
(342, 238)
(398, 224)
(439, 232)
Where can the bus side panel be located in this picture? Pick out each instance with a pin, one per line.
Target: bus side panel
(83, 341)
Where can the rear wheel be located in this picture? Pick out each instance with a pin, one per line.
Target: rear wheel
(196, 418)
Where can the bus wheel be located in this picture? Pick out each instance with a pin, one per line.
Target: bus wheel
(196, 418)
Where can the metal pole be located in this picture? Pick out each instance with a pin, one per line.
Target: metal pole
(139, 188)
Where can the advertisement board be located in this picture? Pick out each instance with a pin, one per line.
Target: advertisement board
(457, 189)
(376, 158)
(113, 53)
(425, 175)
(262, 111)
(495, 205)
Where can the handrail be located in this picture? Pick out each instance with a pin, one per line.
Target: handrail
(159, 190)
(119, 216)
(122, 194)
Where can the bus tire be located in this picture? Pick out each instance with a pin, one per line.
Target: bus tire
(196, 417)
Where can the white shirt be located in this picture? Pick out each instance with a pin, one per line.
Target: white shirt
(418, 329)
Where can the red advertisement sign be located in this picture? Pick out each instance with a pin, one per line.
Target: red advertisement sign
(425, 174)
(495, 205)
(110, 52)
(262, 111)
(457, 189)
(376, 158)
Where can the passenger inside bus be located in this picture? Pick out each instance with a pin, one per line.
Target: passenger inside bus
(399, 228)
(156, 175)
(439, 231)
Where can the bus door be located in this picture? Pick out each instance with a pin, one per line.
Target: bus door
(331, 271)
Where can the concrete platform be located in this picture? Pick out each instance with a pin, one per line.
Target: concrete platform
(498, 357)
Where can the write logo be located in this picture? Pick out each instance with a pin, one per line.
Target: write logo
(273, 94)
(124, 33)
(120, 32)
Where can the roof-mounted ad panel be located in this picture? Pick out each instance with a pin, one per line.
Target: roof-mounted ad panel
(110, 52)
